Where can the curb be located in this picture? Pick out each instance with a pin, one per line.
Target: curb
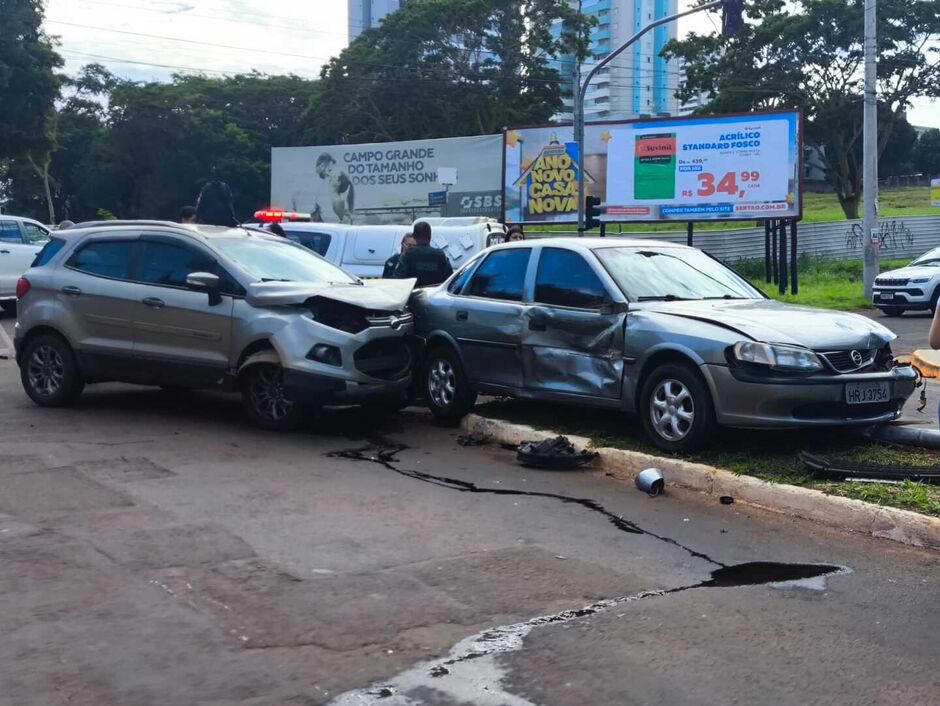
(843, 514)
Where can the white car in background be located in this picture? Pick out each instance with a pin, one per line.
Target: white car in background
(20, 240)
(912, 288)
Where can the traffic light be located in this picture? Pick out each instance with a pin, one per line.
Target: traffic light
(732, 20)
(592, 212)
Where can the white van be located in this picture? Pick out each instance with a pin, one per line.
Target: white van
(363, 250)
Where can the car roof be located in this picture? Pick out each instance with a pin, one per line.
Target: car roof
(191, 229)
(21, 219)
(591, 243)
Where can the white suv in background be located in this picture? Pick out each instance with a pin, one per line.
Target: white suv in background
(20, 240)
(912, 288)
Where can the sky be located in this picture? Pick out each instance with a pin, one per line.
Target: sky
(148, 40)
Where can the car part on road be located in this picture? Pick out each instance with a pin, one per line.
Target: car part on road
(49, 372)
(845, 470)
(651, 481)
(726, 500)
(557, 454)
(473, 440)
(904, 435)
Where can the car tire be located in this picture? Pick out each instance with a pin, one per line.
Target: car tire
(893, 311)
(50, 373)
(934, 298)
(265, 401)
(676, 409)
(446, 387)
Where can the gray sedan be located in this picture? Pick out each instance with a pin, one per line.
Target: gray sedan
(658, 329)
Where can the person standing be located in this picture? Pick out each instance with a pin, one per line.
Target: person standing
(188, 214)
(215, 205)
(423, 262)
(515, 234)
(407, 242)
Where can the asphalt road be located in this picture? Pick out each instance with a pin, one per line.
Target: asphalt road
(158, 550)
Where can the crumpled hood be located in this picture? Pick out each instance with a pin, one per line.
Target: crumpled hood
(775, 322)
(372, 294)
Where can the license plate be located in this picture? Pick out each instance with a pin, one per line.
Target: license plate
(886, 296)
(867, 392)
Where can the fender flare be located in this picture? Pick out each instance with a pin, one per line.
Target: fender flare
(267, 356)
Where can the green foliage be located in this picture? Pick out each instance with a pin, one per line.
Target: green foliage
(808, 55)
(441, 68)
(927, 154)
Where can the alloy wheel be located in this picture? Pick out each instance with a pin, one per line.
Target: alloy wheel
(46, 371)
(442, 383)
(268, 396)
(672, 410)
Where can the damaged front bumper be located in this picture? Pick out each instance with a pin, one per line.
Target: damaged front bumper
(747, 399)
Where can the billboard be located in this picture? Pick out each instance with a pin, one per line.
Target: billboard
(935, 193)
(729, 167)
(388, 182)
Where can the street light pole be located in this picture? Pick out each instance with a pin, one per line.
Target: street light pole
(870, 228)
(581, 92)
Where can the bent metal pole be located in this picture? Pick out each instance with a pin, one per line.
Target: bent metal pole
(582, 92)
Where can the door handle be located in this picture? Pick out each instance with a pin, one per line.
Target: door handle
(4, 252)
(154, 303)
(538, 325)
(72, 291)
(462, 315)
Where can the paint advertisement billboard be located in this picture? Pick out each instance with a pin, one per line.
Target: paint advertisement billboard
(388, 182)
(729, 167)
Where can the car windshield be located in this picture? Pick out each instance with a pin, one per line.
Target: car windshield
(673, 274)
(931, 259)
(281, 261)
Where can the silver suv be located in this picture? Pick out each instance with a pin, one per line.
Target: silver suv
(183, 306)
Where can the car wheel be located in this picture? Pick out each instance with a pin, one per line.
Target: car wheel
(49, 372)
(676, 409)
(893, 310)
(448, 393)
(266, 401)
(933, 299)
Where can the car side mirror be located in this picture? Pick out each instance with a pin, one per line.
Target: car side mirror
(611, 308)
(206, 282)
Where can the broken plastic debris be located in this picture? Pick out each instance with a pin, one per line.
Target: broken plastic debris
(651, 481)
(553, 454)
(726, 500)
(474, 439)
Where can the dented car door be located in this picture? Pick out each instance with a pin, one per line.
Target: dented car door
(573, 334)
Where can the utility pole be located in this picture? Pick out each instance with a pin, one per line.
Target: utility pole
(581, 92)
(870, 228)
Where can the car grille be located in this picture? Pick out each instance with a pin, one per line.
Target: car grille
(892, 282)
(395, 321)
(386, 359)
(845, 362)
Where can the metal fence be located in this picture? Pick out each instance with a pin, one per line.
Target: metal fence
(837, 240)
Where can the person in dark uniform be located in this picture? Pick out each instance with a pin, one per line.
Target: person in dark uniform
(407, 242)
(427, 264)
(215, 205)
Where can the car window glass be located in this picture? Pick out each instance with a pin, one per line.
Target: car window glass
(460, 280)
(35, 235)
(501, 276)
(9, 232)
(105, 259)
(48, 252)
(168, 264)
(565, 279)
(270, 260)
(318, 242)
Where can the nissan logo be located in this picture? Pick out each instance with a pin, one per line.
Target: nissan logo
(857, 357)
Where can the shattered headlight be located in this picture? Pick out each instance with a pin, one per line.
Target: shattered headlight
(777, 356)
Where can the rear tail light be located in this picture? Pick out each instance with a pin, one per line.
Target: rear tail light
(22, 287)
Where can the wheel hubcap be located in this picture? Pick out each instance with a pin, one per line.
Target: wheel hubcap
(46, 371)
(442, 383)
(672, 410)
(268, 396)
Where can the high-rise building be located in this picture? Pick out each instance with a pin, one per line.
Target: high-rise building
(364, 14)
(637, 83)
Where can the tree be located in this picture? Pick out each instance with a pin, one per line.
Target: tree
(897, 158)
(808, 55)
(927, 154)
(440, 68)
(29, 87)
